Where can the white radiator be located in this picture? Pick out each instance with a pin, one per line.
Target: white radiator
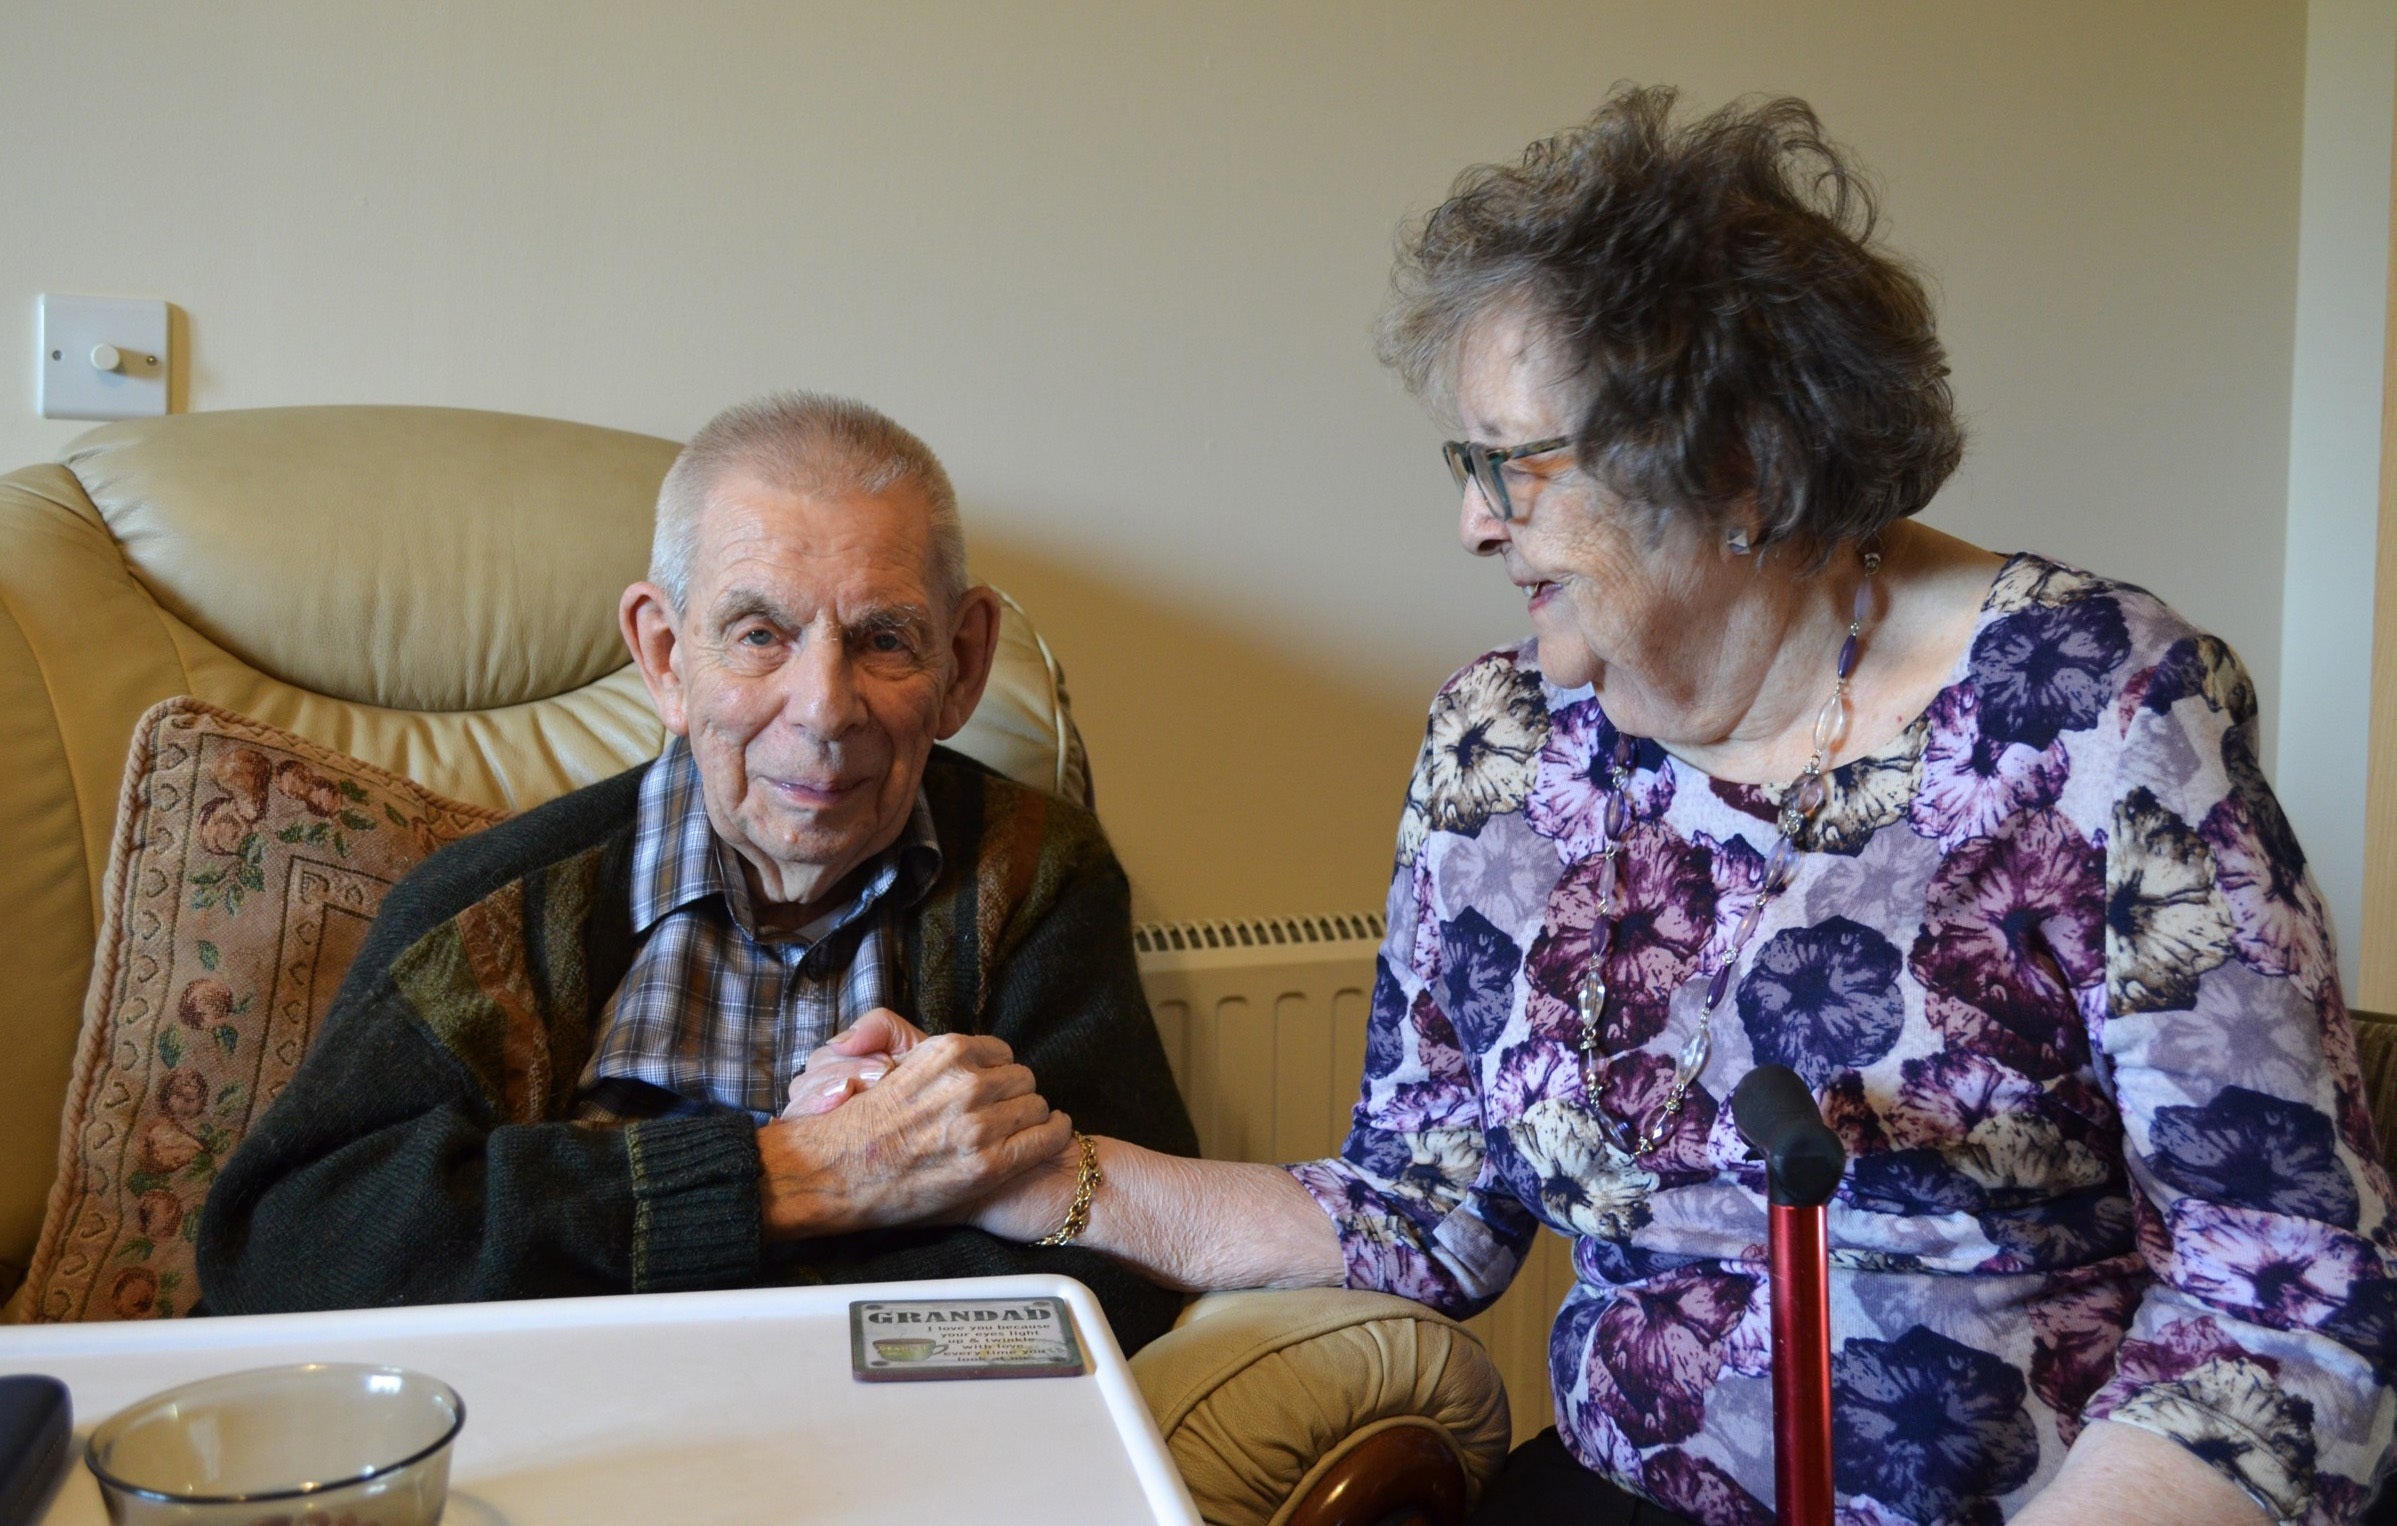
(1264, 1023)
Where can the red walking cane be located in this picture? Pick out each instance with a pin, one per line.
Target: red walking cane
(1803, 1161)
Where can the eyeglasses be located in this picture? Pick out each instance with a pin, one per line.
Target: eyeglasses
(1479, 464)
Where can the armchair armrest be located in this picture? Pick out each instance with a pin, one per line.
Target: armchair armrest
(1321, 1406)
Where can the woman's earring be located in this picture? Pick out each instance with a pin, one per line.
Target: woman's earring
(1739, 542)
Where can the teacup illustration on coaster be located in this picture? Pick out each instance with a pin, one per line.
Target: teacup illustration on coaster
(910, 1349)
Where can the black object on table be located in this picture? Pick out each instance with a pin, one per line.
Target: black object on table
(35, 1422)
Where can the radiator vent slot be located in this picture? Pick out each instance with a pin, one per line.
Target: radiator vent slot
(1257, 932)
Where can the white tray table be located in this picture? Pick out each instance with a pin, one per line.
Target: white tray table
(683, 1407)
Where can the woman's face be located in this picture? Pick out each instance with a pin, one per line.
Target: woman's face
(1614, 604)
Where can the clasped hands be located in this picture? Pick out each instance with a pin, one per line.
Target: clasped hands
(888, 1126)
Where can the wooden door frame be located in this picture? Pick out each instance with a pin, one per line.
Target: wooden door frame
(2376, 989)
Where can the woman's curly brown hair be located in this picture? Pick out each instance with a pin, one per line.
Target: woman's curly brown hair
(1713, 293)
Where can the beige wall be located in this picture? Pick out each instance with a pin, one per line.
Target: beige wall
(1118, 263)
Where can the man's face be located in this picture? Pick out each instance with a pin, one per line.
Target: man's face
(812, 667)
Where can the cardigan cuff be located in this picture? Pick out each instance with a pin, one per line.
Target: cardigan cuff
(695, 1212)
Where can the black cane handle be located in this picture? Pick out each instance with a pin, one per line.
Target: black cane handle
(1803, 1159)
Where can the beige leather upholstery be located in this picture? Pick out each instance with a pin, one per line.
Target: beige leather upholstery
(429, 589)
(445, 560)
(1259, 1393)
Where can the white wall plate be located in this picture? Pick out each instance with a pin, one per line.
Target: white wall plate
(101, 358)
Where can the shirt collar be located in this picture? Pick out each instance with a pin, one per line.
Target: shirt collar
(678, 859)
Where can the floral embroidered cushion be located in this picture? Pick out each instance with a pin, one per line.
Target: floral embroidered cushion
(246, 866)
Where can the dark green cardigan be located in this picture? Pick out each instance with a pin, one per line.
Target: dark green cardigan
(423, 1152)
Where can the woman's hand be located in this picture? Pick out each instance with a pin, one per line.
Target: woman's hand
(850, 1061)
(1034, 1204)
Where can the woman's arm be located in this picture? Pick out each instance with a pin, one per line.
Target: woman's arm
(1192, 1225)
(2263, 1341)
(2121, 1475)
(1159, 1222)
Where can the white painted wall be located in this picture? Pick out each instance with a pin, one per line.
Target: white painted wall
(1119, 263)
(2334, 446)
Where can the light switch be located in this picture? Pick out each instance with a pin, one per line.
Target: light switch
(102, 358)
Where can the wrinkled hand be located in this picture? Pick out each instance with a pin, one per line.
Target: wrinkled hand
(953, 1119)
(850, 1061)
(1033, 1204)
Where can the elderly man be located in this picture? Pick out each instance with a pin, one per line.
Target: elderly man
(650, 1035)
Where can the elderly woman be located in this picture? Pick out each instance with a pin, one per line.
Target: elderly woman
(1978, 845)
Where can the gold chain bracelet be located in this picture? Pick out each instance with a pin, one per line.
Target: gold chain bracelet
(1087, 1183)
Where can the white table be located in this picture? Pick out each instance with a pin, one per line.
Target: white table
(683, 1407)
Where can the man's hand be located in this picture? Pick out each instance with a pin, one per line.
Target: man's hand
(850, 1061)
(952, 1120)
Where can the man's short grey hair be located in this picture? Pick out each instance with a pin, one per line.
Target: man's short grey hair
(805, 442)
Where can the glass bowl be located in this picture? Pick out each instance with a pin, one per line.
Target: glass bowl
(326, 1444)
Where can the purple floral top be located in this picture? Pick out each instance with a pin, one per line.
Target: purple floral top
(2055, 969)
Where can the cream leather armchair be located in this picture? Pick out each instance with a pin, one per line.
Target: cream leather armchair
(433, 590)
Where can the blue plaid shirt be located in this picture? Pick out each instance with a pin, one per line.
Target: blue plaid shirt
(712, 1013)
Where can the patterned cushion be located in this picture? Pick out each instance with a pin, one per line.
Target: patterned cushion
(246, 866)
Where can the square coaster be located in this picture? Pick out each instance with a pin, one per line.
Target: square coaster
(932, 1339)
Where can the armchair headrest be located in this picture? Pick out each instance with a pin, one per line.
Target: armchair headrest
(414, 558)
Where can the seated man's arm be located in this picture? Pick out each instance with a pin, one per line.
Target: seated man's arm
(382, 1175)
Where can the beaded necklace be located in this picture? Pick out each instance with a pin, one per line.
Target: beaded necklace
(1804, 797)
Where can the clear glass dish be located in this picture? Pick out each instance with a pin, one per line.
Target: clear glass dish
(281, 1446)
